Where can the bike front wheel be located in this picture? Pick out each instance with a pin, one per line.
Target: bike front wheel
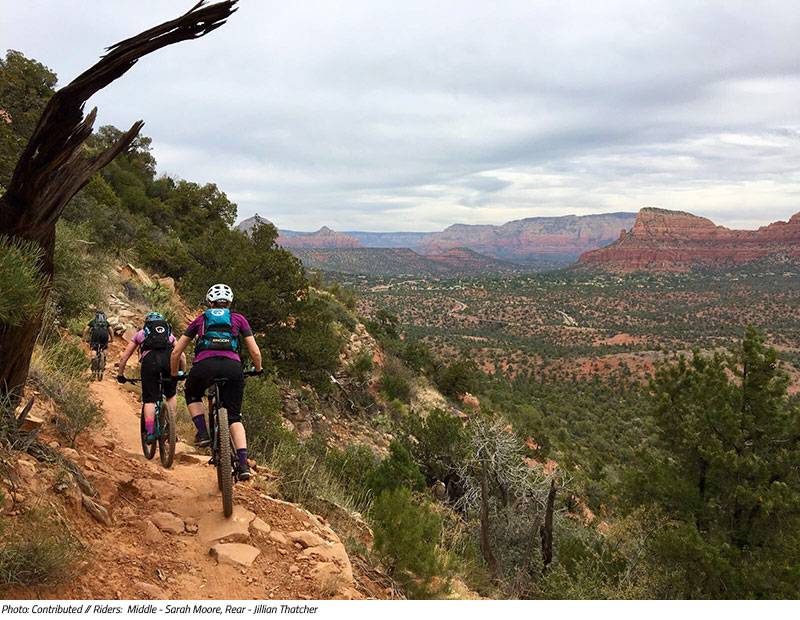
(166, 437)
(224, 464)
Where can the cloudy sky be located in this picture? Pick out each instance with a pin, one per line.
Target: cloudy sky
(410, 115)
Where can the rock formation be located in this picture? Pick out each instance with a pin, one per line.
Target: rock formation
(663, 240)
(321, 239)
(532, 239)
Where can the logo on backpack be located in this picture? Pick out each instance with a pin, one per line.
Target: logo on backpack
(217, 331)
(156, 335)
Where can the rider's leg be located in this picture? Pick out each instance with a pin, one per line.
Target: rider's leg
(150, 417)
(238, 435)
(196, 383)
(232, 393)
(198, 413)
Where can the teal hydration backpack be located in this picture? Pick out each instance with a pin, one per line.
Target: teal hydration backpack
(217, 331)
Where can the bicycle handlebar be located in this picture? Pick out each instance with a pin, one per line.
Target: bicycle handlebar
(183, 377)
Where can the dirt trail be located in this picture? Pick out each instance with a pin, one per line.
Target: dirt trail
(164, 523)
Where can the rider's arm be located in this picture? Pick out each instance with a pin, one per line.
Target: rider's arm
(182, 364)
(254, 351)
(177, 351)
(110, 334)
(125, 355)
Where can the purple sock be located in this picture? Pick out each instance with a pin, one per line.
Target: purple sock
(150, 425)
(200, 424)
(242, 454)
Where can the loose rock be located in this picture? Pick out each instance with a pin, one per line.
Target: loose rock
(168, 522)
(235, 554)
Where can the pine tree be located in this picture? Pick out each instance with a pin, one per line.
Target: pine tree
(724, 469)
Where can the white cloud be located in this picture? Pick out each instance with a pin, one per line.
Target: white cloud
(415, 115)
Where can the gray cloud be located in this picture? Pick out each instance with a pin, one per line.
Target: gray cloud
(391, 116)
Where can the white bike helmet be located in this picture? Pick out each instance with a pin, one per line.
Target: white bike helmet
(219, 292)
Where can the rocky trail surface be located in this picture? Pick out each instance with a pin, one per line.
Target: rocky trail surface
(160, 534)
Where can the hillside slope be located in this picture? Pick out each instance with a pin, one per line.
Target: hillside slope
(165, 536)
(401, 261)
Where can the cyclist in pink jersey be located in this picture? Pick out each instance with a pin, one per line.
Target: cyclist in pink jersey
(154, 341)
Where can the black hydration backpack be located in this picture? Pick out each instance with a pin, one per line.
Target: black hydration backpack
(100, 327)
(156, 335)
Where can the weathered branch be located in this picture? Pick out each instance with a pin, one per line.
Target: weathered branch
(54, 166)
(52, 169)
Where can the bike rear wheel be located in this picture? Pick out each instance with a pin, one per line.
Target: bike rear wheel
(148, 449)
(224, 464)
(101, 365)
(166, 437)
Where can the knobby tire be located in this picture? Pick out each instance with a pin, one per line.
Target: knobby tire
(166, 438)
(224, 465)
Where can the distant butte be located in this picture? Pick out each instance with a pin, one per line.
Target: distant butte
(663, 240)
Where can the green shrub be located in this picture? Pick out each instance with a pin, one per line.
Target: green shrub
(407, 532)
(397, 470)
(261, 409)
(458, 378)
(361, 367)
(21, 283)
(37, 552)
(56, 371)
(418, 357)
(439, 445)
(352, 466)
(76, 285)
(396, 381)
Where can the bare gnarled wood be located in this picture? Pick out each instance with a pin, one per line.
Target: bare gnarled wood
(53, 167)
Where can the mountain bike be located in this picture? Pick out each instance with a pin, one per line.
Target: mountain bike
(98, 364)
(223, 452)
(164, 429)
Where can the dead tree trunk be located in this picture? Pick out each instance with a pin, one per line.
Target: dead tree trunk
(486, 545)
(546, 530)
(53, 168)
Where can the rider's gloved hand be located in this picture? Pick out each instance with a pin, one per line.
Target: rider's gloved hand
(121, 379)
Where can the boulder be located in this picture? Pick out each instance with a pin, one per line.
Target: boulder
(279, 537)
(151, 533)
(235, 554)
(259, 526)
(330, 552)
(214, 527)
(26, 469)
(31, 423)
(168, 283)
(168, 522)
(305, 539)
(151, 591)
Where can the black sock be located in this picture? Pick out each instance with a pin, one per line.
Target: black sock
(242, 454)
(200, 424)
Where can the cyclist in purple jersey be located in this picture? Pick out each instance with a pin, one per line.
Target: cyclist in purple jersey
(218, 332)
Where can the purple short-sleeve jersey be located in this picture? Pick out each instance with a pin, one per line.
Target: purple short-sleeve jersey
(239, 327)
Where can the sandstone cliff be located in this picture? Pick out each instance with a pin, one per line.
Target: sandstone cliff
(321, 239)
(534, 238)
(663, 240)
